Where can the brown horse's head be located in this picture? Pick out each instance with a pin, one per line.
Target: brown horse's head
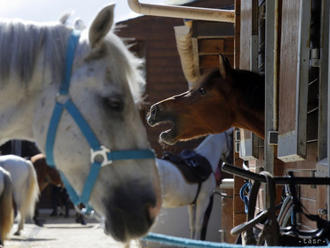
(224, 98)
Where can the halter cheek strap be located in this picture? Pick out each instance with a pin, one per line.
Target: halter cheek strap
(100, 155)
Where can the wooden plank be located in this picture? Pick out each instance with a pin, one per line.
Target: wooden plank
(237, 30)
(202, 29)
(229, 43)
(244, 63)
(211, 46)
(246, 29)
(293, 111)
(248, 145)
(288, 68)
(212, 61)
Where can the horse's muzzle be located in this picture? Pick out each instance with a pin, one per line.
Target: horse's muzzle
(152, 116)
(130, 212)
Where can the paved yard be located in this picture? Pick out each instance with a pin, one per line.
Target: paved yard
(64, 233)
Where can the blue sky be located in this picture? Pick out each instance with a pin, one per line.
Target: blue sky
(52, 10)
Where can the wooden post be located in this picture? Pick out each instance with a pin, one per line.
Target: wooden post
(249, 61)
(271, 70)
(292, 137)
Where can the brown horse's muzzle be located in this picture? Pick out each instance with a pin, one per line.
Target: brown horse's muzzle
(157, 115)
(152, 117)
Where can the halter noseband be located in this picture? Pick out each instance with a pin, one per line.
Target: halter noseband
(99, 154)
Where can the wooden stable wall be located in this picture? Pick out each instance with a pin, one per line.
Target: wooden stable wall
(312, 197)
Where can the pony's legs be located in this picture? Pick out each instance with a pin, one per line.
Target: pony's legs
(27, 206)
(20, 224)
(192, 218)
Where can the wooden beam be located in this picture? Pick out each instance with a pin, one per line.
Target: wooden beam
(249, 61)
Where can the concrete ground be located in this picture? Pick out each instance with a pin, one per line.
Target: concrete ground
(62, 232)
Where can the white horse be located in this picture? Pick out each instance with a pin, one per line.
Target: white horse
(106, 85)
(6, 205)
(25, 186)
(176, 192)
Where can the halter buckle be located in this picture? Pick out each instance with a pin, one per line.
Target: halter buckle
(101, 156)
(62, 98)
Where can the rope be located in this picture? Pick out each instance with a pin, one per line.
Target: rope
(184, 242)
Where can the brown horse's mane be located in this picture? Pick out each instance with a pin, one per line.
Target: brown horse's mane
(252, 88)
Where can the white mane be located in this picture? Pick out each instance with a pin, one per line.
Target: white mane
(21, 44)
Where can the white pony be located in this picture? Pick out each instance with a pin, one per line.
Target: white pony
(106, 86)
(176, 192)
(6, 205)
(25, 186)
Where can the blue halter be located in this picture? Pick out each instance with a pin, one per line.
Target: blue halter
(100, 155)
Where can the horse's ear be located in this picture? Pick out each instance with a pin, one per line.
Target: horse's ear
(101, 25)
(224, 67)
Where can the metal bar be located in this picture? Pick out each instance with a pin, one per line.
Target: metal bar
(311, 141)
(194, 13)
(312, 110)
(312, 82)
(278, 180)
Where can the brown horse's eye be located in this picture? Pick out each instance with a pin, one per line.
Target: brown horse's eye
(202, 91)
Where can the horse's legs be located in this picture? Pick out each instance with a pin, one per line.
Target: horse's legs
(203, 205)
(20, 224)
(192, 220)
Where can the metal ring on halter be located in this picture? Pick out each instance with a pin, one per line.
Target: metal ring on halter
(101, 156)
(62, 98)
(89, 213)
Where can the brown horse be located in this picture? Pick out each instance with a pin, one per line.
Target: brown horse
(46, 175)
(224, 98)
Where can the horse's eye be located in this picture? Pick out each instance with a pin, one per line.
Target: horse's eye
(202, 91)
(115, 104)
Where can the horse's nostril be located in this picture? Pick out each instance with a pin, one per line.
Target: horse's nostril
(154, 110)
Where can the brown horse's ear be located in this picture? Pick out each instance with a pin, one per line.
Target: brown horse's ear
(224, 66)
